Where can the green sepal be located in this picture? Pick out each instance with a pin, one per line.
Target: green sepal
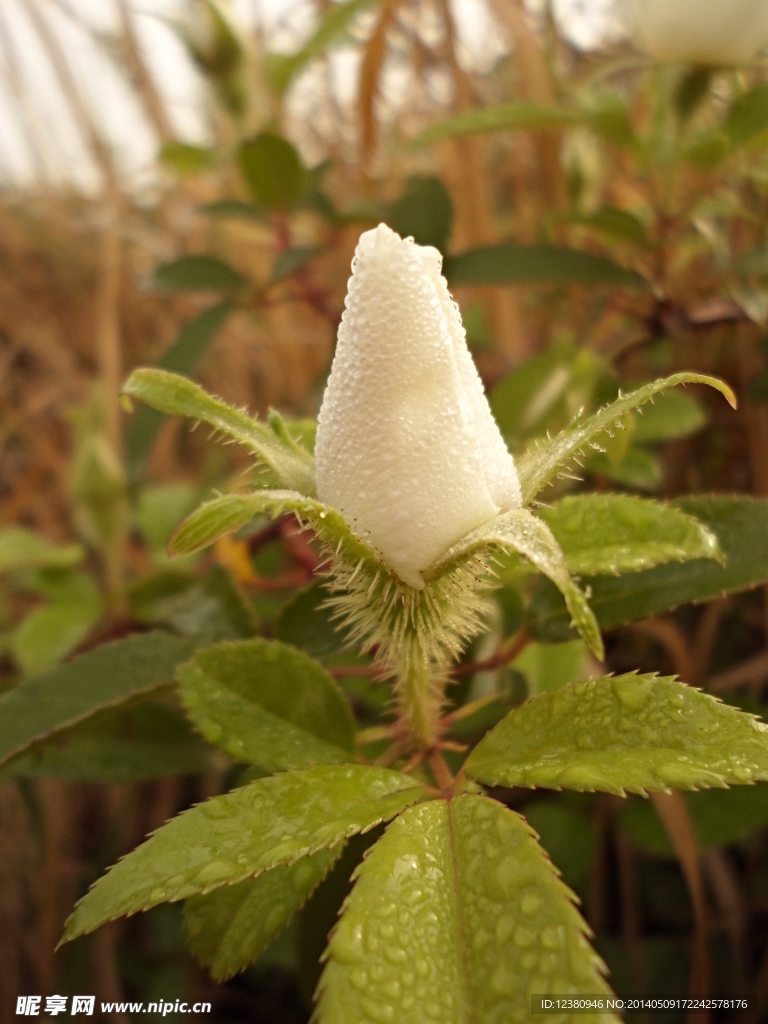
(542, 463)
(615, 533)
(625, 733)
(231, 927)
(263, 825)
(521, 531)
(457, 915)
(171, 393)
(268, 704)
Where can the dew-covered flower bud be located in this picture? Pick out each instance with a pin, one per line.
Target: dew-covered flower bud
(710, 32)
(407, 448)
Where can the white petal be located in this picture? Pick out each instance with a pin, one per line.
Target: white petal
(407, 448)
(697, 31)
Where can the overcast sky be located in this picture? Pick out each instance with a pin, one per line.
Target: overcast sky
(31, 103)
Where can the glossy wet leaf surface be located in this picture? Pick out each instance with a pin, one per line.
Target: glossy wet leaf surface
(256, 828)
(268, 704)
(230, 927)
(457, 916)
(625, 733)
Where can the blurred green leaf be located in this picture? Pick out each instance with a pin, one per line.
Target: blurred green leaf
(292, 260)
(333, 25)
(178, 396)
(567, 835)
(472, 900)
(186, 159)
(230, 927)
(305, 623)
(24, 549)
(614, 223)
(234, 209)
(753, 262)
(637, 468)
(740, 524)
(273, 171)
(691, 91)
(670, 416)
(607, 114)
(510, 263)
(240, 835)
(748, 116)
(550, 666)
(197, 273)
(268, 704)
(49, 634)
(160, 510)
(111, 675)
(528, 393)
(525, 117)
(207, 609)
(614, 533)
(191, 344)
(145, 742)
(629, 732)
(424, 212)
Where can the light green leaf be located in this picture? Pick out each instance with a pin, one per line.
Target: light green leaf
(186, 159)
(107, 677)
(629, 733)
(550, 666)
(267, 704)
(541, 464)
(740, 524)
(615, 533)
(145, 742)
(270, 822)
(306, 622)
(518, 116)
(197, 273)
(178, 396)
(23, 549)
(673, 415)
(230, 927)
(161, 508)
(509, 263)
(522, 532)
(182, 356)
(49, 634)
(457, 915)
(332, 26)
(273, 171)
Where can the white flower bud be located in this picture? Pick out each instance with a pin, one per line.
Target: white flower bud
(715, 32)
(407, 448)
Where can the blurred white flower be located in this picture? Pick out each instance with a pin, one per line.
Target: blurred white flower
(407, 448)
(715, 32)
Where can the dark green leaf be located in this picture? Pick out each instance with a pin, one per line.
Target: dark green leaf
(267, 704)
(111, 675)
(638, 468)
(292, 260)
(24, 549)
(524, 117)
(305, 623)
(692, 91)
(630, 732)
(170, 393)
(186, 159)
(509, 263)
(273, 171)
(672, 415)
(567, 835)
(234, 209)
(269, 823)
(457, 914)
(748, 116)
(740, 524)
(423, 212)
(198, 273)
(230, 927)
(182, 356)
(614, 533)
(614, 223)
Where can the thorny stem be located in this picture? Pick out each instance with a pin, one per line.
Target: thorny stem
(420, 698)
(441, 771)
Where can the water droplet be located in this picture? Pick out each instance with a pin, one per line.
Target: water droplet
(215, 871)
(530, 901)
(552, 936)
(157, 895)
(381, 1013)
(523, 936)
(632, 692)
(504, 981)
(504, 927)
(348, 945)
(359, 978)
(422, 967)
(396, 955)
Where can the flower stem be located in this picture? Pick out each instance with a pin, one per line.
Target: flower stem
(420, 696)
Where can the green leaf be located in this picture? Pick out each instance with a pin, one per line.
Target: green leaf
(568, 836)
(510, 263)
(306, 622)
(23, 549)
(270, 822)
(197, 273)
(178, 396)
(424, 212)
(541, 464)
(292, 260)
(273, 171)
(457, 914)
(740, 524)
(49, 634)
(671, 416)
(145, 742)
(332, 26)
(267, 704)
(234, 209)
(748, 116)
(524, 117)
(186, 159)
(161, 508)
(520, 531)
(529, 392)
(638, 468)
(691, 91)
(191, 344)
(614, 533)
(230, 927)
(107, 677)
(550, 666)
(614, 223)
(629, 733)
